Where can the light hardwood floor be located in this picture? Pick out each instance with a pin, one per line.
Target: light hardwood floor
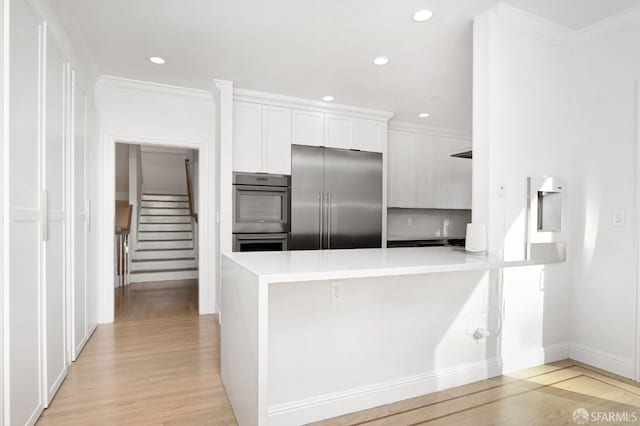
(156, 300)
(167, 371)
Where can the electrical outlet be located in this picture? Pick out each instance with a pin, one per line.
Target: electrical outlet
(336, 293)
(501, 191)
(618, 218)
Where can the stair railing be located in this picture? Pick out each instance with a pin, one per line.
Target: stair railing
(192, 213)
(123, 228)
(187, 169)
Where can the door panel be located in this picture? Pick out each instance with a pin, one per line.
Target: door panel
(79, 231)
(91, 142)
(247, 137)
(400, 169)
(420, 181)
(353, 182)
(340, 131)
(307, 176)
(24, 231)
(277, 140)
(54, 169)
(308, 128)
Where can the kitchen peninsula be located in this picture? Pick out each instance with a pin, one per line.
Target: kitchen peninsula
(309, 335)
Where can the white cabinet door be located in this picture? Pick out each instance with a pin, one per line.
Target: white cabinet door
(54, 183)
(24, 361)
(420, 181)
(340, 131)
(308, 128)
(370, 135)
(460, 180)
(400, 169)
(91, 144)
(247, 137)
(440, 151)
(79, 218)
(277, 140)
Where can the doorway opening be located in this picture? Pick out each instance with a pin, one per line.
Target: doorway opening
(156, 233)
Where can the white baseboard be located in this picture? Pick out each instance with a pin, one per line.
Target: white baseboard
(35, 416)
(601, 359)
(51, 392)
(338, 403)
(530, 358)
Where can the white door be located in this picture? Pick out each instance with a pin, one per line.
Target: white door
(91, 146)
(308, 128)
(369, 135)
(25, 295)
(400, 169)
(247, 137)
(340, 131)
(55, 229)
(421, 173)
(440, 174)
(79, 241)
(277, 140)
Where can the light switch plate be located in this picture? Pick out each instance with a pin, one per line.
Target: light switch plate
(618, 218)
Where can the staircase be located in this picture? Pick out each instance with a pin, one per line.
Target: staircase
(165, 247)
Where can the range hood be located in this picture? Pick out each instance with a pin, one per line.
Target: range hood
(466, 153)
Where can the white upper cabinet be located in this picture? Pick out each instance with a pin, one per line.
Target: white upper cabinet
(422, 173)
(400, 170)
(370, 135)
(340, 131)
(277, 140)
(460, 179)
(308, 128)
(247, 137)
(439, 166)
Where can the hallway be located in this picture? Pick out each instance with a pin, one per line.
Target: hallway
(153, 371)
(161, 299)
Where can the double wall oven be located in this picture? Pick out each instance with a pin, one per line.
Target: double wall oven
(261, 212)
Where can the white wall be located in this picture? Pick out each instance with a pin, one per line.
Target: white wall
(603, 302)
(163, 170)
(167, 116)
(521, 128)
(122, 171)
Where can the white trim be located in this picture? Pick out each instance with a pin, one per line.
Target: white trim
(636, 242)
(337, 403)
(148, 86)
(206, 274)
(152, 149)
(51, 392)
(265, 98)
(420, 129)
(520, 21)
(601, 359)
(4, 216)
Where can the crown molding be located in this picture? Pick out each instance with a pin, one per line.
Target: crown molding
(526, 23)
(149, 86)
(440, 132)
(307, 104)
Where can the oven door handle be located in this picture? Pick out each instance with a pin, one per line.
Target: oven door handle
(258, 188)
(274, 237)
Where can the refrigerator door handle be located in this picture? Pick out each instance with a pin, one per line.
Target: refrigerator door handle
(329, 220)
(321, 216)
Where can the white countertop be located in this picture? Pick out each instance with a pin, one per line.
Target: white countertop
(315, 265)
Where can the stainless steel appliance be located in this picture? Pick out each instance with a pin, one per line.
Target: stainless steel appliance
(260, 242)
(261, 203)
(336, 198)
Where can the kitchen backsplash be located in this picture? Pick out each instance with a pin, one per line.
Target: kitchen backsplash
(417, 224)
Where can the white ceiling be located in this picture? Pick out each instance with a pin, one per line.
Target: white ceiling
(307, 48)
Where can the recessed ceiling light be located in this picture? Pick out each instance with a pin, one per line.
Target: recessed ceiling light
(328, 98)
(422, 15)
(381, 60)
(157, 60)
(423, 115)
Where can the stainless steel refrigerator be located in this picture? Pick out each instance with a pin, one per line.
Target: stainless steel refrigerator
(336, 198)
